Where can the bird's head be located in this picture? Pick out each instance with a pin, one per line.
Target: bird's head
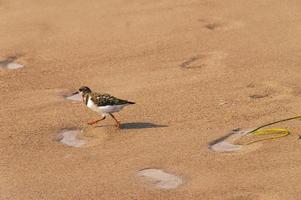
(83, 90)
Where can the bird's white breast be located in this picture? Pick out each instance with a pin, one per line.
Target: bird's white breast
(104, 109)
(92, 105)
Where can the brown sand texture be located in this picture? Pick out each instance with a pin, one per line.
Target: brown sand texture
(196, 70)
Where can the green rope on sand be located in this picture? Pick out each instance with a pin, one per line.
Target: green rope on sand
(278, 132)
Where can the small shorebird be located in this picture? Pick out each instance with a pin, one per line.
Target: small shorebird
(102, 103)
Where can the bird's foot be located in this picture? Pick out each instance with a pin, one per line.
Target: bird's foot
(91, 123)
(118, 125)
(94, 122)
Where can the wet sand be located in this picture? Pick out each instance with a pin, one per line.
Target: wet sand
(196, 70)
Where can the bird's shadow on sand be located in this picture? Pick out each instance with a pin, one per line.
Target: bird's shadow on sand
(141, 125)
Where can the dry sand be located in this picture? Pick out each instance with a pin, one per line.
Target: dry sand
(196, 69)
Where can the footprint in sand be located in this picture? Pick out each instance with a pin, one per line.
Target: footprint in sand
(193, 62)
(210, 61)
(258, 96)
(260, 92)
(87, 137)
(9, 63)
(73, 97)
(220, 24)
(160, 178)
(232, 142)
(271, 90)
(212, 26)
(70, 137)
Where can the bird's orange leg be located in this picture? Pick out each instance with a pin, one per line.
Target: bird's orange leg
(117, 122)
(94, 122)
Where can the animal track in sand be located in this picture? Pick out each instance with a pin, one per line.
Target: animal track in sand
(160, 178)
(211, 60)
(9, 63)
(258, 96)
(191, 62)
(220, 24)
(212, 26)
(271, 89)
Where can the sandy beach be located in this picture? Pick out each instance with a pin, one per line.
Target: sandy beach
(196, 69)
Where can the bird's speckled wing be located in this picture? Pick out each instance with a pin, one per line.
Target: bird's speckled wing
(106, 99)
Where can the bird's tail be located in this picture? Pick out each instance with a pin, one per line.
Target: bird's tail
(130, 102)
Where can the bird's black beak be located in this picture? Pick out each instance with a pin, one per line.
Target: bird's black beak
(74, 93)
